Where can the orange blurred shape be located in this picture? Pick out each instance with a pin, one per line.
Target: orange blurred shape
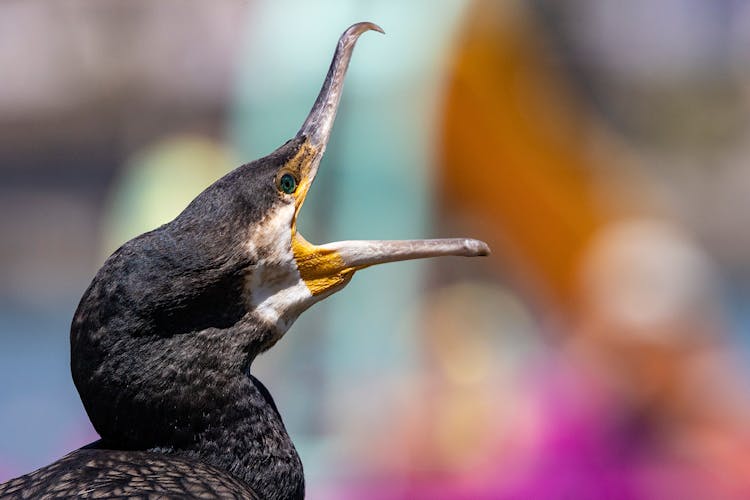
(515, 149)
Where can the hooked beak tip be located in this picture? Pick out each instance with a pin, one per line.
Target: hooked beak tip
(375, 27)
(359, 28)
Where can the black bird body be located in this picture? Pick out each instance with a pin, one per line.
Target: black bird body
(163, 340)
(92, 473)
(161, 349)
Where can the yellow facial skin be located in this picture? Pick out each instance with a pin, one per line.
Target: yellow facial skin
(322, 270)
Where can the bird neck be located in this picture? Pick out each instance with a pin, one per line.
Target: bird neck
(249, 440)
(158, 368)
(190, 395)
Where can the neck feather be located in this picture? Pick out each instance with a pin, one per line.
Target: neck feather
(249, 440)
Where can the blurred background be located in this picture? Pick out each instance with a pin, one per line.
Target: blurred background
(599, 146)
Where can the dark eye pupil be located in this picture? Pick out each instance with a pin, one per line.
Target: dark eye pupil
(288, 183)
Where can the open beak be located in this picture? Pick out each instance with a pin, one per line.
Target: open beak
(327, 268)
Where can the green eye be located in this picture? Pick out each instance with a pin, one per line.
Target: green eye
(287, 183)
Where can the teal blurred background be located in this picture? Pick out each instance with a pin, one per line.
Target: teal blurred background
(599, 146)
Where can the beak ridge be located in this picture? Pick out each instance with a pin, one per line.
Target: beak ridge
(319, 122)
(361, 254)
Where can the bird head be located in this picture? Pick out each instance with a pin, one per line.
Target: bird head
(290, 273)
(175, 316)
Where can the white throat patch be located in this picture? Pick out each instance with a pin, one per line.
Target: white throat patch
(274, 289)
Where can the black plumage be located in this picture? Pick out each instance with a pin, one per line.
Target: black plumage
(92, 473)
(161, 349)
(163, 339)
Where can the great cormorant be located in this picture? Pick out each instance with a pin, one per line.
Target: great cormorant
(164, 337)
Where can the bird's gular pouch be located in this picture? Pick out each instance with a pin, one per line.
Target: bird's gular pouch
(322, 269)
